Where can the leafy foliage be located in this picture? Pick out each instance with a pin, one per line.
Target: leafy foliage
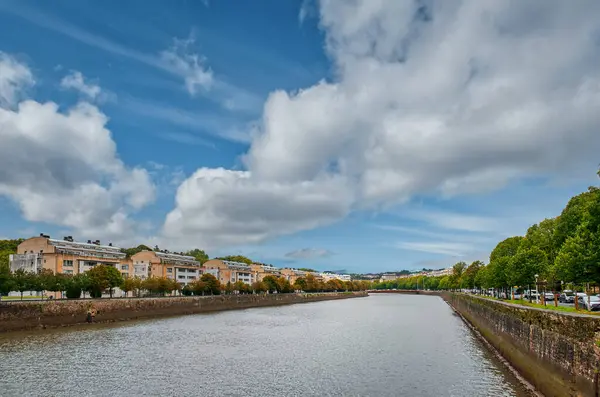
(236, 258)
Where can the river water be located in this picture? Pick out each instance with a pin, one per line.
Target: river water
(382, 345)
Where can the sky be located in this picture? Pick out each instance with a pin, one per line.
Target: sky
(359, 136)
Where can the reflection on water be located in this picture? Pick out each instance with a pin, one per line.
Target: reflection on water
(383, 345)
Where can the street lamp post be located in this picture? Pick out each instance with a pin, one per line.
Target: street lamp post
(537, 293)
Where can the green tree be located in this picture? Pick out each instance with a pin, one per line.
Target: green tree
(164, 285)
(23, 281)
(259, 287)
(469, 275)
(300, 284)
(73, 285)
(522, 267)
(444, 283)
(10, 245)
(458, 269)
(271, 283)
(228, 288)
(481, 279)
(176, 287)
(198, 287)
(199, 254)
(237, 258)
(506, 248)
(238, 286)
(48, 281)
(6, 279)
(212, 284)
(572, 216)
(132, 251)
(283, 285)
(103, 277)
(129, 284)
(542, 236)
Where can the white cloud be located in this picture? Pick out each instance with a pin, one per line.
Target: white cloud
(309, 253)
(307, 9)
(218, 207)
(76, 81)
(14, 78)
(442, 248)
(189, 65)
(452, 98)
(63, 168)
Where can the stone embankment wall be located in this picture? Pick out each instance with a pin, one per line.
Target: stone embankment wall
(17, 316)
(557, 352)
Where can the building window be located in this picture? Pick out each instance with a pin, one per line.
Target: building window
(125, 274)
(124, 267)
(68, 263)
(68, 271)
(169, 270)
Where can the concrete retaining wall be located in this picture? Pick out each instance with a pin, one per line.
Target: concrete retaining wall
(17, 316)
(557, 352)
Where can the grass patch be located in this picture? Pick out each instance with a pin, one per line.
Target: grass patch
(549, 305)
(18, 298)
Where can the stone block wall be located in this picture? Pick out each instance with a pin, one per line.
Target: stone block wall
(557, 352)
(15, 316)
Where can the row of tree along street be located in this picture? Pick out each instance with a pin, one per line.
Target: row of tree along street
(105, 279)
(557, 253)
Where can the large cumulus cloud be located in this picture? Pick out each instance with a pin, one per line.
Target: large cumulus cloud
(62, 167)
(430, 97)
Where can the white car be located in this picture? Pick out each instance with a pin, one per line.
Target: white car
(591, 303)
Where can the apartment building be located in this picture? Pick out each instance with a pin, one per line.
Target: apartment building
(334, 276)
(64, 256)
(176, 266)
(292, 275)
(261, 271)
(229, 271)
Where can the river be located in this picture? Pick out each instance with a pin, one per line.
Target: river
(382, 345)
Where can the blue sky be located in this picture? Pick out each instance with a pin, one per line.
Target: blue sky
(292, 131)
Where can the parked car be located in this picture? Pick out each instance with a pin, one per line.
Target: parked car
(531, 294)
(548, 296)
(580, 295)
(567, 297)
(591, 303)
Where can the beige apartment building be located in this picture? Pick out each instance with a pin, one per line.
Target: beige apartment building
(292, 275)
(64, 256)
(229, 271)
(185, 269)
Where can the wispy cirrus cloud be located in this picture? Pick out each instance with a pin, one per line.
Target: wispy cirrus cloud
(181, 59)
(186, 139)
(211, 123)
(309, 253)
(443, 248)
